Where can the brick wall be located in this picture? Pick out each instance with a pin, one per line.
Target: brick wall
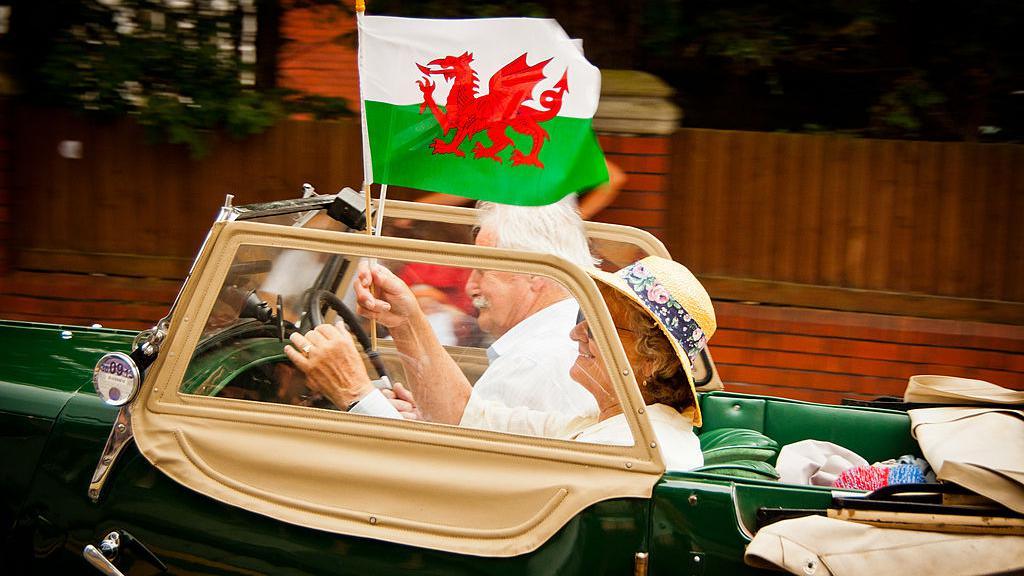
(319, 56)
(644, 198)
(828, 355)
(792, 352)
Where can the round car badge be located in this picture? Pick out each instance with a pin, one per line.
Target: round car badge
(116, 378)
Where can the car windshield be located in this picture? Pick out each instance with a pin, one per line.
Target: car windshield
(271, 293)
(295, 276)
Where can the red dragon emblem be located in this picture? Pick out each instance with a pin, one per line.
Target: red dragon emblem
(468, 113)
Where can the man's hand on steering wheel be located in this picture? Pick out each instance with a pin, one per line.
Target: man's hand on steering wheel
(332, 365)
(315, 318)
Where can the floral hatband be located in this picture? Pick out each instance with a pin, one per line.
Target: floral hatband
(656, 298)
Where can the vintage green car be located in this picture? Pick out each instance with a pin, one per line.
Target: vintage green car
(224, 462)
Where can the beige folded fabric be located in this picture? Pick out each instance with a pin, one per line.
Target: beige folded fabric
(952, 390)
(981, 449)
(818, 546)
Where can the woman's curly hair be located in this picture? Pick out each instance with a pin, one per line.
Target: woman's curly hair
(661, 376)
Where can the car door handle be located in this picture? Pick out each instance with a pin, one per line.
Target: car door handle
(102, 558)
(99, 561)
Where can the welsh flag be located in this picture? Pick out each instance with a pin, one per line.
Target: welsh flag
(494, 109)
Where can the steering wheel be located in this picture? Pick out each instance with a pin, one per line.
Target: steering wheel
(316, 318)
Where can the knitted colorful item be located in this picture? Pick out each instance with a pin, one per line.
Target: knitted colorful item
(863, 478)
(906, 474)
(874, 477)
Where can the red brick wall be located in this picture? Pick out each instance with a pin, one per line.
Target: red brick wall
(644, 197)
(827, 355)
(319, 56)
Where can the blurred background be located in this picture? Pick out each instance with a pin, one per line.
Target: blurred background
(846, 177)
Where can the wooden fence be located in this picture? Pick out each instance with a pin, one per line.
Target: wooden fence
(931, 219)
(129, 207)
(940, 219)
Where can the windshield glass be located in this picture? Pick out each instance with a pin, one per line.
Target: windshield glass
(483, 348)
(612, 248)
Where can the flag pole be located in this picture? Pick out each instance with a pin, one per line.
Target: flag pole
(378, 225)
(369, 231)
(360, 9)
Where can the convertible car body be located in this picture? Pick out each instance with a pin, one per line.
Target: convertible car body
(223, 462)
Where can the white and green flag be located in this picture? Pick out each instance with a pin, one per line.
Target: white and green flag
(496, 109)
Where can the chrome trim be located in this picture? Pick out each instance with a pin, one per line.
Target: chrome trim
(227, 211)
(150, 340)
(100, 560)
(279, 207)
(120, 434)
(744, 529)
(110, 545)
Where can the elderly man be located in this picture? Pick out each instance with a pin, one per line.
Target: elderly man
(530, 318)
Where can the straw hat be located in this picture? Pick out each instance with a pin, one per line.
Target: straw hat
(670, 294)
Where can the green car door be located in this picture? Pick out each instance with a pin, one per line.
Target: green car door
(195, 534)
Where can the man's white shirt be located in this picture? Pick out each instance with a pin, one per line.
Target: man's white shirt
(526, 389)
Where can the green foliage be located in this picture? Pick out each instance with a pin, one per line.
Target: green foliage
(900, 110)
(905, 69)
(175, 66)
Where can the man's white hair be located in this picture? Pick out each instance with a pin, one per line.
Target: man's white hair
(553, 229)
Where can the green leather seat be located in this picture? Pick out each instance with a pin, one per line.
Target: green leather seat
(730, 444)
(739, 453)
(874, 433)
(752, 469)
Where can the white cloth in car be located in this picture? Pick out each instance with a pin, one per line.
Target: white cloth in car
(376, 404)
(815, 462)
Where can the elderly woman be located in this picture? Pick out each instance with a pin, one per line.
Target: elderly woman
(664, 318)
